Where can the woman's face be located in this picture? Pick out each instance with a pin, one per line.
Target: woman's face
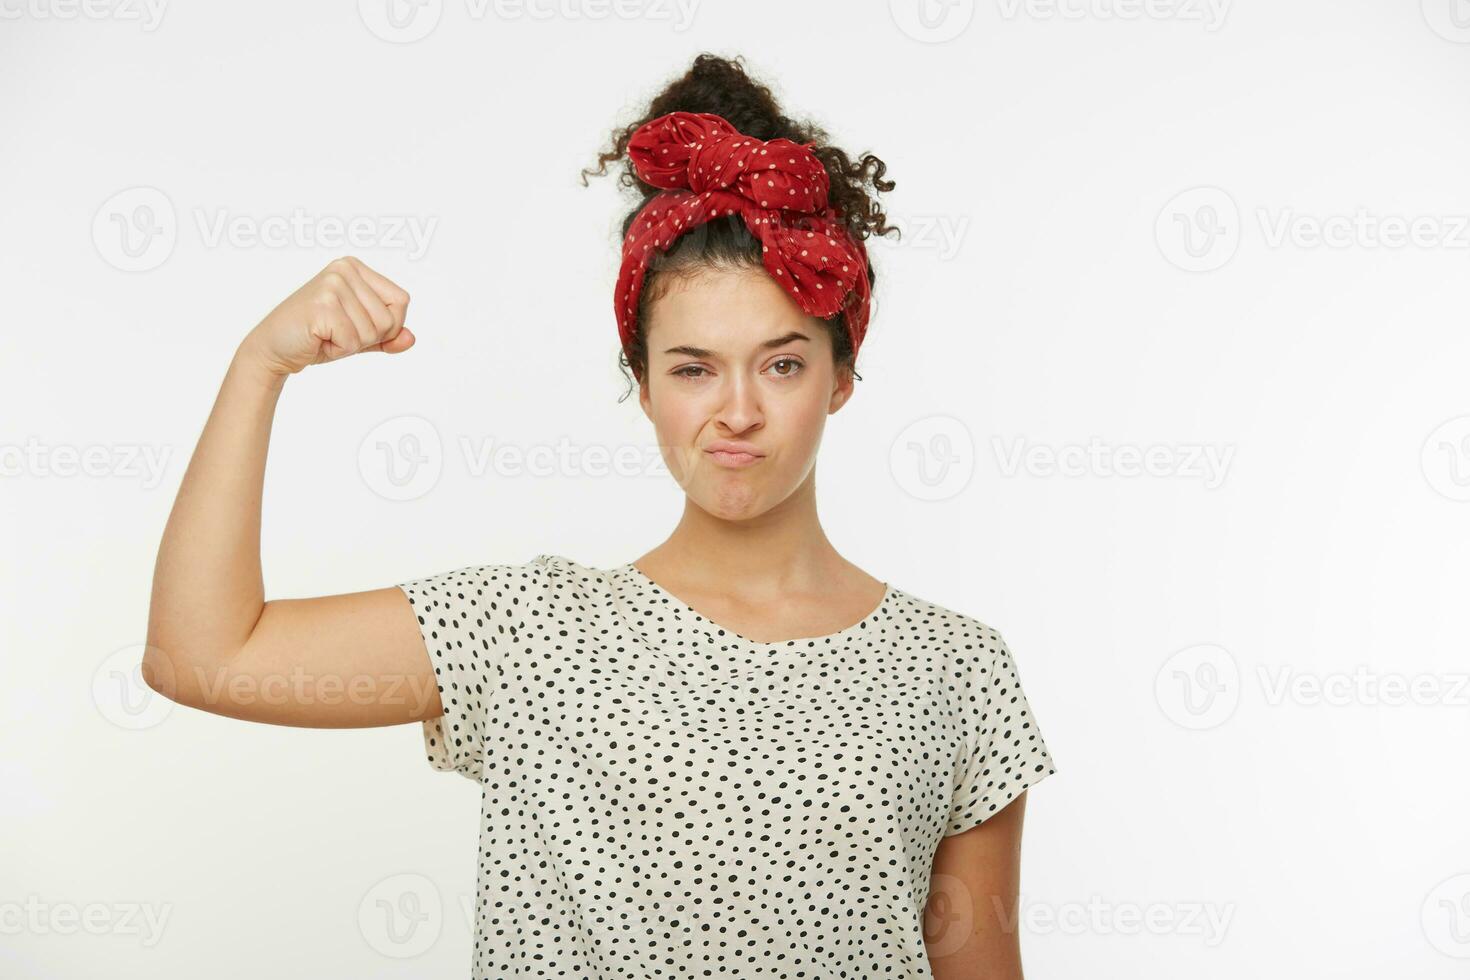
(733, 359)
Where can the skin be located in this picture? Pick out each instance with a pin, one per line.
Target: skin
(731, 356)
(215, 643)
(970, 926)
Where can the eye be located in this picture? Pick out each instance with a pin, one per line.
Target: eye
(687, 371)
(791, 372)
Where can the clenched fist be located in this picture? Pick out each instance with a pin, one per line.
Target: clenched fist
(347, 308)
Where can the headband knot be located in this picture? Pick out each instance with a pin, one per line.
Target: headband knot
(701, 151)
(705, 167)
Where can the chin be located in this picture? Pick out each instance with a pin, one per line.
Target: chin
(731, 500)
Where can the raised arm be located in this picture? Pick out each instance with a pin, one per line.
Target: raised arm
(214, 641)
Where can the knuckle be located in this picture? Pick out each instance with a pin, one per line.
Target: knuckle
(326, 301)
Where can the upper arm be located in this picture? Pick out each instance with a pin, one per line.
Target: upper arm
(970, 919)
(352, 660)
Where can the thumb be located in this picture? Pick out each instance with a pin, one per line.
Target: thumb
(397, 344)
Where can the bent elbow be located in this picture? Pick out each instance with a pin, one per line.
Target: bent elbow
(170, 669)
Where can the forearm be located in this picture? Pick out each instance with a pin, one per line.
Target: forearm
(208, 591)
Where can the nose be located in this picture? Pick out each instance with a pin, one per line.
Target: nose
(740, 408)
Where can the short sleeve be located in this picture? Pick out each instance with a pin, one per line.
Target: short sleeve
(1004, 753)
(472, 620)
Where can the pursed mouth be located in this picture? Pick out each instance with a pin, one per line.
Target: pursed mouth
(733, 456)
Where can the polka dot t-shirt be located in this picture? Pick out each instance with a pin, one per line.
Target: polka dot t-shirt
(662, 797)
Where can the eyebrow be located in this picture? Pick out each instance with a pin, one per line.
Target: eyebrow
(781, 341)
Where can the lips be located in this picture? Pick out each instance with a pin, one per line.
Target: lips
(733, 454)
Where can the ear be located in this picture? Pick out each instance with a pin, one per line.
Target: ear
(644, 400)
(842, 388)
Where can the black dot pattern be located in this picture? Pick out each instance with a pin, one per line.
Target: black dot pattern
(663, 797)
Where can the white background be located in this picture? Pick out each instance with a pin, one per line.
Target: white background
(1205, 820)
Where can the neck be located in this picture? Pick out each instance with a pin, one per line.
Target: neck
(785, 544)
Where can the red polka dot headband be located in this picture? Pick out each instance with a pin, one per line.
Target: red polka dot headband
(706, 167)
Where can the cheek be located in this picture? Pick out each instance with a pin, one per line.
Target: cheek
(677, 424)
(801, 426)
(678, 420)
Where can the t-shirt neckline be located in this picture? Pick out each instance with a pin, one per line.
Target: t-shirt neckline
(687, 616)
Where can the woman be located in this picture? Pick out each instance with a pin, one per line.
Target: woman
(737, 755)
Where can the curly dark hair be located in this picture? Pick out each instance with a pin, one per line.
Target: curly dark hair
(721, 85)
